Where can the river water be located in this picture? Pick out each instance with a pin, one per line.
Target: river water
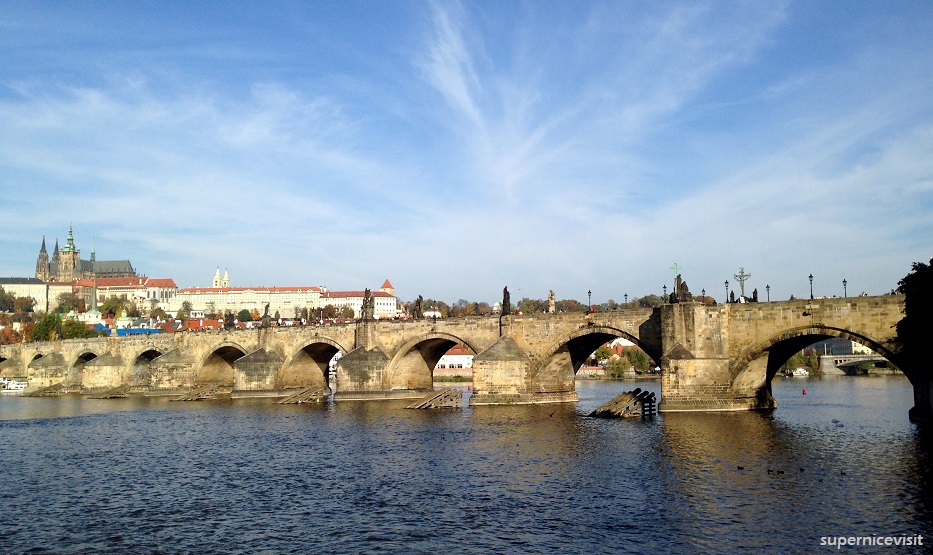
(251, 476)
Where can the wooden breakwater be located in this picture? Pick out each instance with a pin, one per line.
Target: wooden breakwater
(630, 404)
(307, 395)
(447, 398)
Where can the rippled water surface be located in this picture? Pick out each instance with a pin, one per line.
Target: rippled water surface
(152, 476)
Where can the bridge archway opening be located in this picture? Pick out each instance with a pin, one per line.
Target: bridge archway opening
(777, 357)
(413, 367)
(310, 367)
(84, 358)
(559, 369)
(142, 373)
(218, 368)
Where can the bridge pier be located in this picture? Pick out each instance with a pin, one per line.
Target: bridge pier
(504, 374)
(696, 369)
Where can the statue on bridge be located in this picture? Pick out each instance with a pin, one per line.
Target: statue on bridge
(551, 305)
(266, 319)
(417, 311)
(369, 307)
(681, 292)
(506, 302)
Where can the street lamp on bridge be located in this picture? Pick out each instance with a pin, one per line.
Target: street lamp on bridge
(665, 293)
(811, 286)
(845, 293)
(589, 300)
(768, 291)
(626, 298)
(727, 290)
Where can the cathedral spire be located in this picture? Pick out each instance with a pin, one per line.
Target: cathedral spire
(70, 244)
(93, 247)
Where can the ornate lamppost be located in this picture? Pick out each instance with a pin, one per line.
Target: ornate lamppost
(768, 290)
(811, 286)
(665, 293)
(727, 290)
(626, 298)
(845, 293)
(589, 300)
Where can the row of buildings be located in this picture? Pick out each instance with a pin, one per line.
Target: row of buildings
(96, 281)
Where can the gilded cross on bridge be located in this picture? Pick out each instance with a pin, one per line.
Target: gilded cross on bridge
(742, 277)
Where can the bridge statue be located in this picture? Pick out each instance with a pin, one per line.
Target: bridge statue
(551, 305)
(369, 308)
(266, 319)
(418, 309)
(506, 303)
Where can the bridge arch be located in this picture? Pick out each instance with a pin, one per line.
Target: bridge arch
(556, 369)
(217, 367)
(581, 343)
(309, 366)
(756, 366)
(141, 373)
(412, 367)
(84, 358)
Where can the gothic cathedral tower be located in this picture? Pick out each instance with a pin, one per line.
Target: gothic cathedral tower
(42, 264)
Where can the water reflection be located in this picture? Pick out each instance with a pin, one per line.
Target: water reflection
(148, 475)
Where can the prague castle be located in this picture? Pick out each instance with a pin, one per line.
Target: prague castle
(66, 264)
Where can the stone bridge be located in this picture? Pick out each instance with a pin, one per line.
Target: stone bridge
(719, 357)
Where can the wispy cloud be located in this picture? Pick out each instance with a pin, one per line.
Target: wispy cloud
(468, 146)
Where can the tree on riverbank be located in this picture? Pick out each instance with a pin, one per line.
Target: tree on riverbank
(914, 328)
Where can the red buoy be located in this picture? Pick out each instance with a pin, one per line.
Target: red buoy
(804, 391)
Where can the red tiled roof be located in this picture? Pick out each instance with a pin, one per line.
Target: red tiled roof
(458, 350)
(350, 294)
(256, 289)
(386, 285)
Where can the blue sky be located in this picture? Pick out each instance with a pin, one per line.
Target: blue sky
(458, 148)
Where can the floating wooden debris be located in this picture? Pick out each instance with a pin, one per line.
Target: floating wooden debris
(200, 393)
(631, 404)
(308, 395)
(119, 392)
(50, 391)
(447, 398)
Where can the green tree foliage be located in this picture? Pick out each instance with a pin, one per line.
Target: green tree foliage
(112, 306)
(73, 329)
(24, 304)
(131, 309)
(47, 328)
(329, 311)
(638, 359)
(649, 301)
(343, 312)
(244, 315)
(569, 305)
(7, 301)
(68, 302)
(158, 313)
(185, 311)
(913, 330)
(602, 353)
(531, 306)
